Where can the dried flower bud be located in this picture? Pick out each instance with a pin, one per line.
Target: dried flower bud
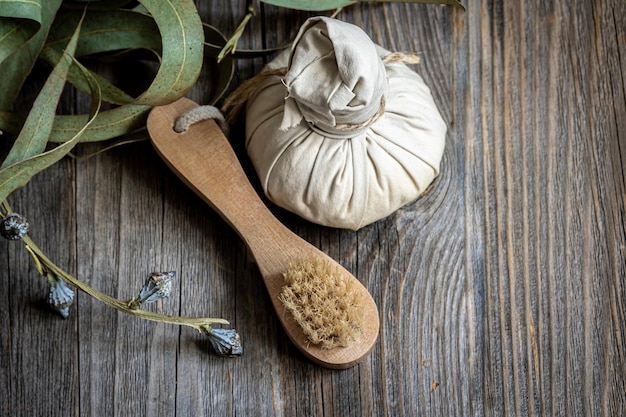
(158, 286)
(61, 296)
(13, 227)
(225, 342)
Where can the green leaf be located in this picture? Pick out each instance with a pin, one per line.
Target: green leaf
(19, 21)
(455, 3)
(311, 5)
(20, 61)
(102, 32)
(17, 174)
(320, 5)
(225, 68)
(95, 4)
(107, 124)
(34, 135)
(182, 44)
(106, 31)
(182, 37)
(110, 93)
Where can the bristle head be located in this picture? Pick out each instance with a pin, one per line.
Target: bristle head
(323, 302)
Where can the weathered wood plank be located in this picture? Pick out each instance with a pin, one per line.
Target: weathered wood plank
(38, 346)
(501, 291)
(542, 216)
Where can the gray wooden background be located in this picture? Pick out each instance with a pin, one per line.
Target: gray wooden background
(501, 292)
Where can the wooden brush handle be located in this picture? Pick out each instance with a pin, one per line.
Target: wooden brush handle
(225, 186)
(203, 158)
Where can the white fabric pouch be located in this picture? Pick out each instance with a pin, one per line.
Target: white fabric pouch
(343, 139)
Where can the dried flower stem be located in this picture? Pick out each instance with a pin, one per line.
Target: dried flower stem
(231, 44)
(43, 261)
(45, 266)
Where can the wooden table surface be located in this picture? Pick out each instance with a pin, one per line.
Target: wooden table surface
(501, 292)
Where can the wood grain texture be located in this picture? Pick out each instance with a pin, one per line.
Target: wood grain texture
(501, 292)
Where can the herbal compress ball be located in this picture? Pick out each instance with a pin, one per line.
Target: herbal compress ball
(341, 138)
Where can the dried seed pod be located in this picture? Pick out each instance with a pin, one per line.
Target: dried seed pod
(61, 296)
(225, 342)
(13, 227)
(158, 286)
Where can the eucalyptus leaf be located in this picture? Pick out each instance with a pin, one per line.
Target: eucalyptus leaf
(96, 4)
(34, 135)
(140, 8)
(455, 3)
(311, 5)
(20, 61)
(107, 124)
(110, 93)
(321, 5)
(106, 31)
(225, 68)
(17, 174)
(19, 21)
(182, 54)
(181, 37)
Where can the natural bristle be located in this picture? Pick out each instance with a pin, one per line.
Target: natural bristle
(324, 303)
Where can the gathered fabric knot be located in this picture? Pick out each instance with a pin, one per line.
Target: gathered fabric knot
(237, 99)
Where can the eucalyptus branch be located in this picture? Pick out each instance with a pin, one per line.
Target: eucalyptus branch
(224, 341)
(41, 259)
